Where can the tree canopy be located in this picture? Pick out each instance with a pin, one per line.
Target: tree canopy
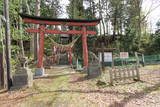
(124, 25)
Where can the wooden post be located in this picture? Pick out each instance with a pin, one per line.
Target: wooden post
(103, 64)
(41, 49)
(85, 48)
(143, 61)
(70, 57)
(137, 73)
(112, 60)
(136, 55)
(111, 76)
(77, 66)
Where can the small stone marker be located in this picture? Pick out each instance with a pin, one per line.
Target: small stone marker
(93, 71)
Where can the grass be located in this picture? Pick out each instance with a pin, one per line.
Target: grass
(141, 86)
(44, 92)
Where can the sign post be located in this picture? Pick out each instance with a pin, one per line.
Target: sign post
(124, 55)
(108, 57)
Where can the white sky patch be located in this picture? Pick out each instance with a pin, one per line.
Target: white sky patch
(154, 16)
(64, 4)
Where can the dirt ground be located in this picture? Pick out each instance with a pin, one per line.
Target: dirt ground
(66, 88)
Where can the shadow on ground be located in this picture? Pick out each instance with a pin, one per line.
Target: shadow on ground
(122, 103)
(50, 76)
(137, 95)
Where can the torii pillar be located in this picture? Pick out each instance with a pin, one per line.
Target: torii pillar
(85, 48)
(40, 69)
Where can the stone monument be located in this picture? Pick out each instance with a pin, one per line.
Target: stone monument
(23, 75)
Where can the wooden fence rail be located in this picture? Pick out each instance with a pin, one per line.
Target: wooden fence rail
(119, 74)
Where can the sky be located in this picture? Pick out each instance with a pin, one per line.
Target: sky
(147, 5)
(154, 16)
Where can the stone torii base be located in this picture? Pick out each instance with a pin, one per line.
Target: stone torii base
(39, 72)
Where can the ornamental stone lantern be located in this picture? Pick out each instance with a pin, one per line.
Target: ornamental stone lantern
(23, 75)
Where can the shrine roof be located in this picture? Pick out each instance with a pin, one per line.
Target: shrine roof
(25, 16)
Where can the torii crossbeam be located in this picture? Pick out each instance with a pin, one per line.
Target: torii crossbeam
(67, 22)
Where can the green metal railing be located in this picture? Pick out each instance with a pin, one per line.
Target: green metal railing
(149, 60)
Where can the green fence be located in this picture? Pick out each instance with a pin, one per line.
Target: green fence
(148, 60)
(152, 58)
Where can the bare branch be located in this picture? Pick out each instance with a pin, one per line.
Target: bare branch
(150, 11)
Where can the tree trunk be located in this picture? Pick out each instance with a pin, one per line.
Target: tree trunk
(1, 70)
(138, 4)
(21, 39)
(36, 36)
(115, 23)
(139, 26)
(100, 25)
(8, 43)
(1, 58)
(32, 40)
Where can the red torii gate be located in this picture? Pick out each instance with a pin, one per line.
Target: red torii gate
(67, 22)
